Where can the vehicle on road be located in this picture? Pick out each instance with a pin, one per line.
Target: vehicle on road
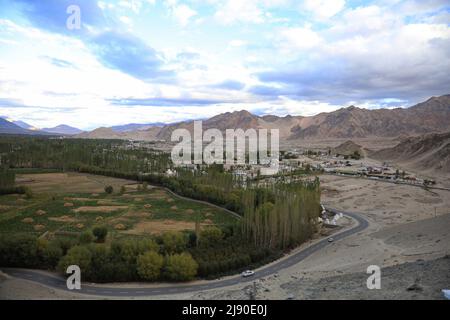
(247, 273)
(330, 239)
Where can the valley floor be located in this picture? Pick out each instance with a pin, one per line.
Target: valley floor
(406, 238)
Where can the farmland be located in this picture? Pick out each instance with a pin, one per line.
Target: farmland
(69, 203)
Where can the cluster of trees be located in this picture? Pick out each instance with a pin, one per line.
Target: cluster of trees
(119, 260)
(274, 218)
(70, 154)
(7, 183)
(282, 217)
(355, 155)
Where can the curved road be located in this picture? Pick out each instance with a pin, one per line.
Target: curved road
(57, 282)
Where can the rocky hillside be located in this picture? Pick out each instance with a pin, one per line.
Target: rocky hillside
(427, 152)
(348, 148)
(432, 115)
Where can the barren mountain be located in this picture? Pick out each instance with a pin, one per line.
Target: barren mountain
(432, 115)
(347, 148)
(109, 133)
(428, 152)
(63, 129)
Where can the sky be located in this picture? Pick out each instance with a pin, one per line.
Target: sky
(144, 61)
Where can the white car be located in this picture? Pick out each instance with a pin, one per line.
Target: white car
(247, 273)
(330, 239)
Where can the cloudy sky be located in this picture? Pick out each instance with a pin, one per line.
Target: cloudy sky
(169, 60)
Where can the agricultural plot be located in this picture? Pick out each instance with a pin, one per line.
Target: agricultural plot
(72, 203)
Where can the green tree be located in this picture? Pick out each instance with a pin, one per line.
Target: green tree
(210, 235)
(109, 189)
(86, 237)
(51, 254)
(174, 242)
(78, 255)
(149, 265)
(28, 192)
(180, 267)
(100, 233)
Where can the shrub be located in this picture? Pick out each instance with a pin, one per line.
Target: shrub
(28, 193)
(51, 255)
(129, 250)
(78, 255)
(109, 189)
(210, 235)
(174, 242)
(180, 267)
(86, 237)
(19, 251)
(149, 265)
(122, 189)
(100, 233)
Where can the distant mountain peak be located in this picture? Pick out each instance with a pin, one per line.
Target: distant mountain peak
(63, 129)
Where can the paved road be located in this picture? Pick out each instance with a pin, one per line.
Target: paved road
(56, 282)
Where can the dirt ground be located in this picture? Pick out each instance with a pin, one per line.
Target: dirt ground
(69, 182)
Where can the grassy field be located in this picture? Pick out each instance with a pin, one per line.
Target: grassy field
(72, 203)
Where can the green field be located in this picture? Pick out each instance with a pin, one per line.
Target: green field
(72, 203)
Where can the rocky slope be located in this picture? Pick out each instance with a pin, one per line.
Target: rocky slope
(426, 152)
(432, 115)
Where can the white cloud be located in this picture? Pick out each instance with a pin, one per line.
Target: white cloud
(324, 9)
(181, 12)
(294, 39)
(237, 43)
(246, 11)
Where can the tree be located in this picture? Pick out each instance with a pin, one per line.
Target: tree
(86, 237)
(100, 233)
(51, 255)
(109, 189)
(28, 193)
(149, 265)
(173, 242)
(180, 267)
(122, 189)
(210, 235)
(78, 255)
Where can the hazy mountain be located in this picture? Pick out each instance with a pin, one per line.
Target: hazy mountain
(426, 152)
(109, 133)
(8, 127)
(20, 123)
(136, 126)
(432, 115)
(63, 129)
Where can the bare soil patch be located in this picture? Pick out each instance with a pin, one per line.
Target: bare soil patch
(63, 219)
(160, 226)
(99, 208)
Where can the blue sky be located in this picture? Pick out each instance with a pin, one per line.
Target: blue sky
(171, 60)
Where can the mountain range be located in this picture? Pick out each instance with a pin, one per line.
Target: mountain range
(432, 115)
(429, 116)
